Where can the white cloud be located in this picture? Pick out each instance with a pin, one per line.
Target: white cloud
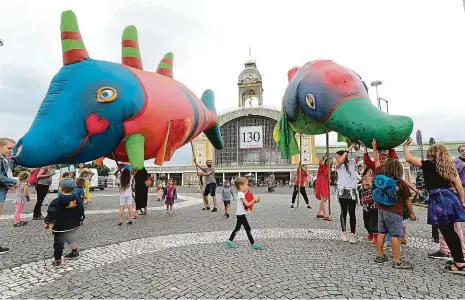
(416, 47)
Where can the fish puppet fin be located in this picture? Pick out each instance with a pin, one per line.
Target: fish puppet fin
(291, 73)
(134, 145)
(284, 137)
(176, 135)
(165, 67)
(213, 134)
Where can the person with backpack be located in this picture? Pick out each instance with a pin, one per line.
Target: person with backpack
(445, 207)
(392, 194)
(44, 180)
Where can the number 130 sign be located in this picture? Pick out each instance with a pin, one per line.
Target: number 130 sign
(251, 137)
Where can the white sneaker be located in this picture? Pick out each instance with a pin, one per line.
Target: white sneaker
(344, 237)
(352, 238)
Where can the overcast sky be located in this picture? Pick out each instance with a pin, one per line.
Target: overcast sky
(416, 47)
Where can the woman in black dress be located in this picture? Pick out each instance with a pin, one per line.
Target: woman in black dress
(141, 190)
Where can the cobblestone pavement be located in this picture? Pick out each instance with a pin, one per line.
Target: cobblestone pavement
(183, 255)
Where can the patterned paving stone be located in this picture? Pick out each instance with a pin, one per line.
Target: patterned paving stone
(183, 256)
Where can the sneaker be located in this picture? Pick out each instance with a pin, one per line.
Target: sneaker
(318, 216)
(292, 205)
(369, 237)
(72, 255)
(231, 245)
(257, 246)
(374, 243)
(308, 206)
(352, 238)
(57, 263)
(4, 250)
(381, 259)
(327, 219)
(208, 208)
(214, 209)
(440, 255)
(402, 265)
(227, 215)
(344, 237)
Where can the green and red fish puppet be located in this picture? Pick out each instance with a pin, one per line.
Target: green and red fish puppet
(322, 95)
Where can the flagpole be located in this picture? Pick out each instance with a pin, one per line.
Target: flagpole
(328, 166)
(300, 165)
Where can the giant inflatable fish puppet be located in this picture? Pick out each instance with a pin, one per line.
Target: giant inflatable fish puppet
(96, 108)
(322, 95)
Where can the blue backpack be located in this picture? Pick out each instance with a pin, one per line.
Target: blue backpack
(385, 191)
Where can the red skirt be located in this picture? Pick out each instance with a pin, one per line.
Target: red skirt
(321, 188)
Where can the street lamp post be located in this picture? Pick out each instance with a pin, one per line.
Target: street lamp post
(376, 83)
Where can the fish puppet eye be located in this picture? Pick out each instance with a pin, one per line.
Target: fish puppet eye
(310, 99)
(106, 94)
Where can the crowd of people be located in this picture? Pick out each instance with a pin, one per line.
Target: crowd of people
(385, 196)
(379, 186)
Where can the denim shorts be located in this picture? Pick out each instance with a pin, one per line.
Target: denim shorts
(389, 222)
(3, 195)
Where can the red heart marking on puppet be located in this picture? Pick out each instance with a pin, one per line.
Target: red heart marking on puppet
(95, 125)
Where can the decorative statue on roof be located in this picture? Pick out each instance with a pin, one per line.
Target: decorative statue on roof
(322, 95)
(96, 108)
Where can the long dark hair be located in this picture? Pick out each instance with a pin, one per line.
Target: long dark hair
(346, 161)
(125, 180)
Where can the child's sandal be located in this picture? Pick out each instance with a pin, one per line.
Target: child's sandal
(120, 223)
(129, 222)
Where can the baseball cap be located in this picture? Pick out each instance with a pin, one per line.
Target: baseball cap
(68, 184)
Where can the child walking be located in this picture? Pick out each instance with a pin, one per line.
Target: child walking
(227, 195)
(170, 195)
(159, 191)
(390, 218)
(126, 196)
(64, 215)
(243, 207)
(21, 197)
(7, 164)
(370, 211)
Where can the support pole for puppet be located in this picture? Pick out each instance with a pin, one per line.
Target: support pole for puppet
(328, 166)
(197, 170)
(299, 169)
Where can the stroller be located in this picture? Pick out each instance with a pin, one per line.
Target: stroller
(271, 186)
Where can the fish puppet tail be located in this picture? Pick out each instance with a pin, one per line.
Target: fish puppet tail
(213, 134)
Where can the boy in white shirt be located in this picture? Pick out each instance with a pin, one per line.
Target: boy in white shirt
(243, 207)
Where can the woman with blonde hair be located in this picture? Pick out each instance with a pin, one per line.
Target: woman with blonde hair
(445, 207)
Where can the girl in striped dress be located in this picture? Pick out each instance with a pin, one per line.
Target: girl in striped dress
(21, 197)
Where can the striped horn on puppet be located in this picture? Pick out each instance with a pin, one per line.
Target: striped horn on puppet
(130, 48)
(71, 41)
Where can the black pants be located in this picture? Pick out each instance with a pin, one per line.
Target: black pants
(435, 232)
(59, 240)
(302, 191)
(453, 241)
(370, 220)
(42, 191)
(348, 205)
(242, 221)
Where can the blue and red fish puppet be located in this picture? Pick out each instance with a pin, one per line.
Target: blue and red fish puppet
(97, 109)
(322, 95)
